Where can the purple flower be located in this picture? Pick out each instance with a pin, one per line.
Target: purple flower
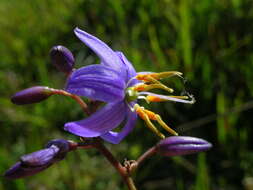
(38, 161)
(181, 145)
(115, 82)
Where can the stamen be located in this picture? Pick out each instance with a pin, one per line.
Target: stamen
(142, 77)
(165, 126)
(158, 76)
(157, 118)
(147, 115)
(147, 87)
(140, 111)
(166, 74)
(162, 86)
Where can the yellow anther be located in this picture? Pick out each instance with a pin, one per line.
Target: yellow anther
(142, 77)
(151, 115)
(147, 115)
(157, 118)
(158, 76)
(165, 126)
(140, 111)
(167, 74)
(152, 78)
(152, 127)
(162, 86)
(154, 99)
(141, 87)
(147, 87)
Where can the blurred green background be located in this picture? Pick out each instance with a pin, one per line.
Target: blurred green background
(211, 41)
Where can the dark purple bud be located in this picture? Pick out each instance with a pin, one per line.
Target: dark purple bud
(18, 170)
(62, 58)
(38, 161)
(181, 145)
(31, 95)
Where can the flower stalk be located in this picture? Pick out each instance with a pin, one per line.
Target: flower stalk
(124, 173)
(74, 97)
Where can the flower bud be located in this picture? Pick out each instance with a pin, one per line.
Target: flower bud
(63, 145)
(62, 58)
(19, 170)
(181, 145)
(38, 161)
(31, 95)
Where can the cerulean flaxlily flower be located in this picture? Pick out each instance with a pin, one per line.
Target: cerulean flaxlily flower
(116, 82)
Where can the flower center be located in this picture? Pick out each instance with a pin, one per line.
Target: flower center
(140, 90)
(131, 94)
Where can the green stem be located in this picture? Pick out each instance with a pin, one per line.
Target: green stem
(116, 164)
(147, 154)
(130, 183)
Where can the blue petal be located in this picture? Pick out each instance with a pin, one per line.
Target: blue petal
(97, 82)
(105, 53)
(130, 71)
(116, 137)
(104, 120)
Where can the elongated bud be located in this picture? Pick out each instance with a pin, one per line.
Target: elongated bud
(31, 95)
(181, 145)
(62, 58)
(38, 161)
